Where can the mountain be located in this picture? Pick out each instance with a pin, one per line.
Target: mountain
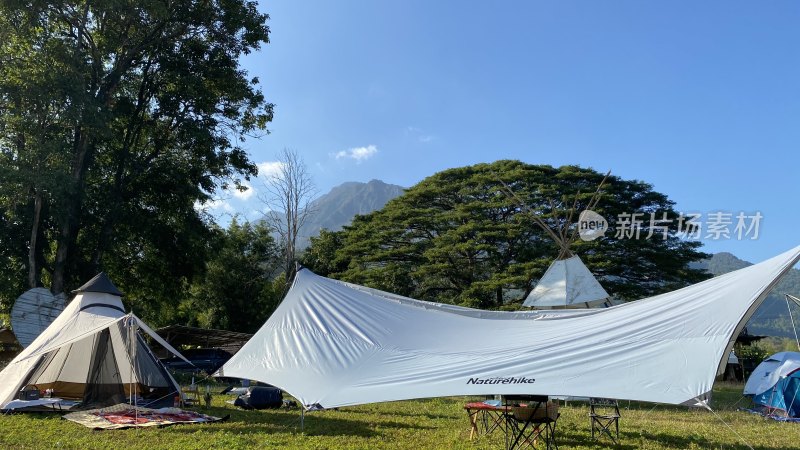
(724, 262)
(772, 317)
(337, 208)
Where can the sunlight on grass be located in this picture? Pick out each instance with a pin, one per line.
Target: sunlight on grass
(417, 424)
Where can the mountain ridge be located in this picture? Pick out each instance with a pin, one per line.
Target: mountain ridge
(772, 317)
(342, 203)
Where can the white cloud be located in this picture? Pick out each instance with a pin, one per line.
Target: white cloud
(215, 207)
(358, 153)
(242, 195)
(219, 204)
(269, 169)
(419, 134)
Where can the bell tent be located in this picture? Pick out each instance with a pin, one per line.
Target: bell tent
(92, 353)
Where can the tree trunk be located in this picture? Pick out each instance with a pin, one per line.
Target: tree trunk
(34, 269)
(71, 220)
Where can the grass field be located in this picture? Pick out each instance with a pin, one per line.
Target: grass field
(418, 424)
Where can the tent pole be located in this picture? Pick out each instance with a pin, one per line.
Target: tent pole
(130, 352)
(787, 296)
(302, 418)
(133, 341)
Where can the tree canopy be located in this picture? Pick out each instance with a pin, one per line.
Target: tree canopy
(456, 237)
(239, 290)
(116, 120)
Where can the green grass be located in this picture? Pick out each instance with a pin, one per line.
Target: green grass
(418, 424)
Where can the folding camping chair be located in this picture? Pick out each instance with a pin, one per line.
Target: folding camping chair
(529, 421)
(603, 413)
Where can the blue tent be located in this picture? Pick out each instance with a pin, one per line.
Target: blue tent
(775, 386)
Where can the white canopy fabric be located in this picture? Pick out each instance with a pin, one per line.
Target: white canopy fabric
(566, 283)
(772, 369)
(333, 344)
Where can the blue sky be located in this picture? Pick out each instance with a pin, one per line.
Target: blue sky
(700, 99)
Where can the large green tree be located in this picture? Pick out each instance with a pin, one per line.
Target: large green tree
(239, 291)
(116, 119)
(458, 237)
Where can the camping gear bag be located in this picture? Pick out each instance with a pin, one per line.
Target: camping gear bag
(29, 393)
(260, 397)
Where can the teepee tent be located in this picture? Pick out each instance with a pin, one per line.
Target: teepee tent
(775, 385)
(92, 353)
(567, 282)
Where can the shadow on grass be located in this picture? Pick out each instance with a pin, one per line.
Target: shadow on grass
(282, 421)
(629, 441)
(425, 415)
(570, 436)
(682, 442)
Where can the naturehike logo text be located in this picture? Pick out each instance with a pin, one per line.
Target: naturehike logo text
(501, 380)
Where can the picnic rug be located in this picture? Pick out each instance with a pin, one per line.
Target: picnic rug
(126, 416)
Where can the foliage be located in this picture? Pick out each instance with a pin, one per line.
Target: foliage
(237, 292)
(426, 424)
(321, 255)
(456, 237)
(771, 345)
(755, 353)
(121, 118)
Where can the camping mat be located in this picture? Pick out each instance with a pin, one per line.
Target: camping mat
(126, 416)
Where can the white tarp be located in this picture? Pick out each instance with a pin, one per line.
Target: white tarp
(334, 344)
(566, 283)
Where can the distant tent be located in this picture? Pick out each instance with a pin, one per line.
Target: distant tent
(775, 385)
(567, 282)
(92, 353)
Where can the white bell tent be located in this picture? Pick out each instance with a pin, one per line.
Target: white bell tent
(92, 353)
(333, 344)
